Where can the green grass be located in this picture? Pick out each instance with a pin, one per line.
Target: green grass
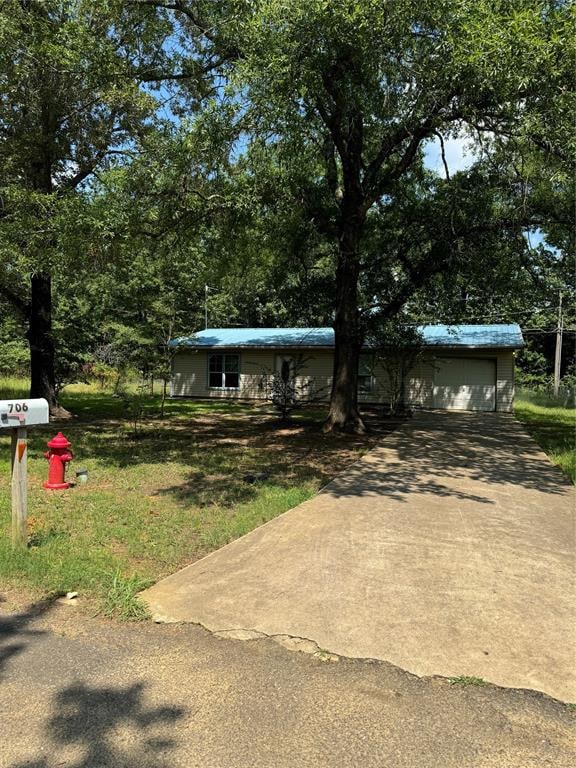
(552, 425)
(122, 601)
(159, 502)
(464, 681)
(11, 388)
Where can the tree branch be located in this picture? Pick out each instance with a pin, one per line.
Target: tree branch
(443, 153)
(86, 170)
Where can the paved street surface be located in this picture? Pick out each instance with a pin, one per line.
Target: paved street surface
(84, 693)
(448, 550)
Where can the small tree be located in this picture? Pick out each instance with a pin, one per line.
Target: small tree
(286, 391)
(283, 395)
(134, 405)
(398, 349)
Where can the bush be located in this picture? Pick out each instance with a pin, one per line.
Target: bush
(14, 358)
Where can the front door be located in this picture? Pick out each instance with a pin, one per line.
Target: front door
(285, 367)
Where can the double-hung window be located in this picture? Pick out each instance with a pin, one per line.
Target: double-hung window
(224, 371)
(366, 374)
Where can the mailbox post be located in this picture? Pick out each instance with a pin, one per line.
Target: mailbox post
(18, 415)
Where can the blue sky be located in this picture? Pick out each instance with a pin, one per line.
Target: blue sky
(459, 154)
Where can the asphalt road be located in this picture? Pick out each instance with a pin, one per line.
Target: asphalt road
(82, 692)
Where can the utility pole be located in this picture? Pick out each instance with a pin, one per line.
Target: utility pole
(558, 354)
(207, 290)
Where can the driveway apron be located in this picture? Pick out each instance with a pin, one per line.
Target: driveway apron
(447, 550)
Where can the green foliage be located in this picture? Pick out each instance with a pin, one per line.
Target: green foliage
(532, 369)
(148, 151)
(71, 104)
(71, 98)
(14, 357)
(464, 681)
(14, 354)
(122, 601)
(134, 407)
(552, 423)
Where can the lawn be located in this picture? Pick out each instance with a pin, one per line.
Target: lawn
(552, 425)
(158, 501)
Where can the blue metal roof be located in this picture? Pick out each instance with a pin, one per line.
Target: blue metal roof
(258, 337)
(434, 335)
(473, 335)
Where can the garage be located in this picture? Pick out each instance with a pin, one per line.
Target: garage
(465, 384)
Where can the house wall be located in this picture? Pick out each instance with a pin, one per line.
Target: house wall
(505, 381)
(190, 376)
(190, 373)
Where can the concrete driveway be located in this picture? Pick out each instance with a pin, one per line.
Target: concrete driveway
(449, 550)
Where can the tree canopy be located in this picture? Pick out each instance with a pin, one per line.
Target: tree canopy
(280, 155)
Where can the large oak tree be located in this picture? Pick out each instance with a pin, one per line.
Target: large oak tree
(360, 86)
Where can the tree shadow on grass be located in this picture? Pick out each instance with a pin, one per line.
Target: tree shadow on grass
(221, 450)
(110, 727)
(217, 450)
(285, 455)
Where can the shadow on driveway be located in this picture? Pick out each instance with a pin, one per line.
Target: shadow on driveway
(450, 454)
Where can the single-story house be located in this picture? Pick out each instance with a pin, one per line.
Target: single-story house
(463, 367)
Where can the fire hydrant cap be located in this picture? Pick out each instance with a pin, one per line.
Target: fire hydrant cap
(59, 442)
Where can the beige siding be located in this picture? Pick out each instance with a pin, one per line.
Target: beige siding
(380, 385)
(505, 381)
(190, 376)
(315, 376)
(420, 388)
(420, 384)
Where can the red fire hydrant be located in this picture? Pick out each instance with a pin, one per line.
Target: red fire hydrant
(58, 456)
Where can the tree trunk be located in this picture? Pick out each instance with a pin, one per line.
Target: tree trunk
(41, 341)
(344, 415)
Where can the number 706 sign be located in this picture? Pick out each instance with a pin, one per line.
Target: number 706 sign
(18, 407)
(14, 413)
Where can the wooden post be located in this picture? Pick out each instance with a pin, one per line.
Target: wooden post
(19, 487)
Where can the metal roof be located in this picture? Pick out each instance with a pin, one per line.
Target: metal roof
(497, 336)
(258, 337)
(473, 335)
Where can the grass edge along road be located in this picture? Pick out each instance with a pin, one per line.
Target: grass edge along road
(552, 425)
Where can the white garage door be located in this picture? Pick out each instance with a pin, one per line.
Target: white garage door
(465, 384)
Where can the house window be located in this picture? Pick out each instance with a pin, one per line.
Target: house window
(365, 374)
(224, 371)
